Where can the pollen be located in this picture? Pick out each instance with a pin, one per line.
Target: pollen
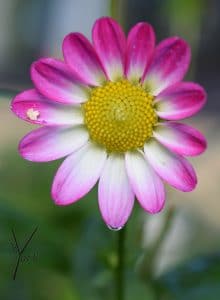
(120, 116)
(32, 114)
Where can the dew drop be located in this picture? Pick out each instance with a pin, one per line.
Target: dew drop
(114, 228)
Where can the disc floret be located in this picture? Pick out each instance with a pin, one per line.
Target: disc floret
(120, 116)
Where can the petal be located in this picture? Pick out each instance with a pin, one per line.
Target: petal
(170, 63)
(116, 198)
(179, 101)
(180, 138)
(110, 44)
(31, 106)
(82, 59)
(140, 47)
(54, 80)
(50, 143)
(146, 184)
(173, 168)
(78, 174)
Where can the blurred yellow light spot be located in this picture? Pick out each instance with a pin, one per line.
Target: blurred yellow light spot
(32, 114)
(120, 116)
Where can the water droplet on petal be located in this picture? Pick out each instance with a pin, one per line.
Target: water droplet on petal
(114, 228)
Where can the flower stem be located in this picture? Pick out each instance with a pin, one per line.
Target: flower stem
(119, 276)
(114, 8)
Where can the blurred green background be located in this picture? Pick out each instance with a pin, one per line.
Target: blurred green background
(73, 255)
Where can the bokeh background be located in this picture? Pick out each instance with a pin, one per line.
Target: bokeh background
(73, 255)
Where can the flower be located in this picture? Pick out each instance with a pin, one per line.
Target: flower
(112, 108)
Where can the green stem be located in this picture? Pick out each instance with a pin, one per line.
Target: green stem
(117, 10)
(120, 278)
(114, 9)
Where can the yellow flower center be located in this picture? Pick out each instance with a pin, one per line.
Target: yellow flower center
(120, 116)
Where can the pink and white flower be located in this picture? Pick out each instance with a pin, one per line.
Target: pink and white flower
(112, 107)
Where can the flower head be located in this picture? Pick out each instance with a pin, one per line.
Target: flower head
(111, 107)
